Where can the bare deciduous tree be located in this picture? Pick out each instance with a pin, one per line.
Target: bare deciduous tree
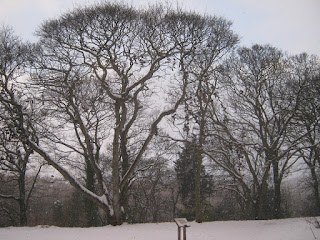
(258, 126)
(134, 58)
(306, 71)
(15, 153)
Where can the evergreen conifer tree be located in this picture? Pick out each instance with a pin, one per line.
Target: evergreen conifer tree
(186, 168)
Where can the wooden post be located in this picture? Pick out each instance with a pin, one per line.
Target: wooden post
(182, 223)
(184, 232)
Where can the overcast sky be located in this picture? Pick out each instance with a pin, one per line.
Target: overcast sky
(291, 25)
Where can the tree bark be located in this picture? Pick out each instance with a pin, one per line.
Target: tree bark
(259, 213)
(22, 200)
(124, 169)
(277, 213)
(315, 186)
(90, 207)
(116, 190)
(198, 205)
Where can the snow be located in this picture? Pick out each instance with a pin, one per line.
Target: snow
(293, 229)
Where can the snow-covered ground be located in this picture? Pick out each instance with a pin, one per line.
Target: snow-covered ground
(285, 229)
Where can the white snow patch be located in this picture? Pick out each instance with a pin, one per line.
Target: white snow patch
(104, 200)
(293, 229)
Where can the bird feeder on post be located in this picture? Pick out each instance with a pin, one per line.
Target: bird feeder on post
(182, 223)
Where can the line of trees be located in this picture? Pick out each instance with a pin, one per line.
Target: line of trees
(109, 94)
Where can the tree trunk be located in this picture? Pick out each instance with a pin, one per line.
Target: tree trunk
(315, 186)
(261, 199)
(90, 207)
(22, 200)
(116, 190)
(315, 179)
(125, 167)
(258, 206)
(249, 209)
(198, 207)
(277, 213)
(117, 213)
(198, 203)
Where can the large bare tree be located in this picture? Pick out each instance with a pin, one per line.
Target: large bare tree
(106, 77)
(137, 64)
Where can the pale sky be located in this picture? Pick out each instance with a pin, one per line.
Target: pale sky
(291, 25)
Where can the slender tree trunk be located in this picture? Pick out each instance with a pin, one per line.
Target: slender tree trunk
(315, 186)
(315, 179)
(125, 168)
(198, 207)
(116, 202)
(22, 200)
(125, 200)
(198, 203)
(277, 213)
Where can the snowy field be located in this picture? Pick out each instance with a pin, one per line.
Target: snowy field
(286, 229)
